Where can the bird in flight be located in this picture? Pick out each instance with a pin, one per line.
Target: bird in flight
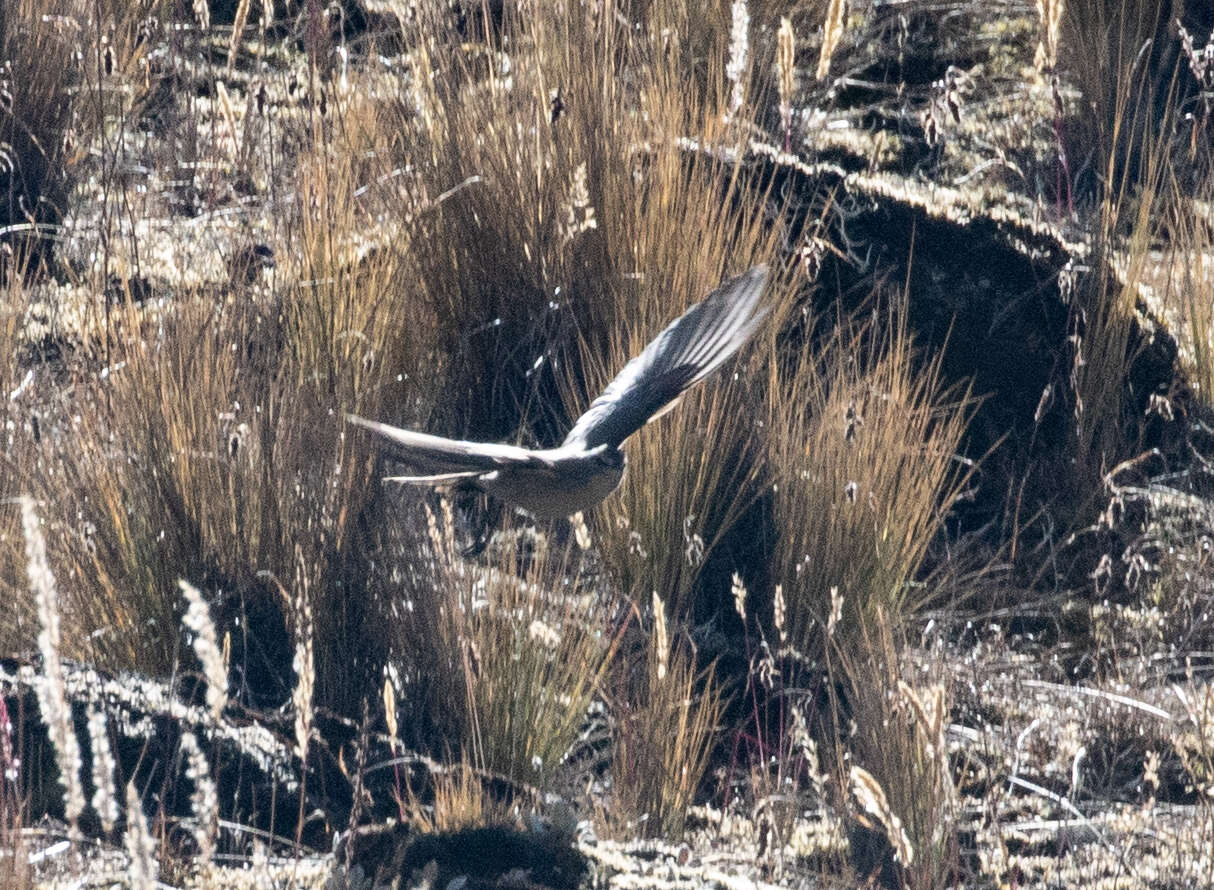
(589, 465)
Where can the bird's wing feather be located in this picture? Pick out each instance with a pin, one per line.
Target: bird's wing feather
(435, 479)
(439, 457)
(688, 350)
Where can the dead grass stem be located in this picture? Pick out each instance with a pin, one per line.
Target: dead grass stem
(53, 704)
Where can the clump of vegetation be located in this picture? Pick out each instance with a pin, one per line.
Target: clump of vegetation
(666, 716)
(478, 216)
(864, 447)
(523, 652)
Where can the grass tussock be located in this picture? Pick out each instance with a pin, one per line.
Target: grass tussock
(70, 68)
(509, 653)
(1128, 69)
(37, 45)
(541, 244)
(459, 800)
(863, 443)
(212, 447)
(1122, 56)
(863, 446)
(700, 462)
(895, 761)
(698, 468)
(544, 248)
(1103, 329)
(1189, 271)
(664, 733)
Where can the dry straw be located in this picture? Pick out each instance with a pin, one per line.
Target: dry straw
(1050, 12)
(50, 689)
(862, 444)
(664, 734)
(139, 843)
(1191, 271)
(512, 660)
(786, 58)
(870, 797)
(197, 620)
(105, 795)
(204, 799)
(898, 732)
(224, 100)
(460, 800)
(739, 50)
(242, 17)
(581, 531)
(832, 31)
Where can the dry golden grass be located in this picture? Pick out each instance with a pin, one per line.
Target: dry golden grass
(905, 785)
(516, 649)
(1188, 276)
(215, 450)
(568, 176)
(459, 800)
(54, 707)
(18, 632)
(863, 444)
(666, 720)
(694, 470)
(1102, 326)
(555, 178)
(477, 252)
(1126, 223)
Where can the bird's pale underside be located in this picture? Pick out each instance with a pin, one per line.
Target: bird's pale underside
(589, 464)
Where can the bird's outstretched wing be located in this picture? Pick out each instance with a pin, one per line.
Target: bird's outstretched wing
(688, 350)
(445, 459)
